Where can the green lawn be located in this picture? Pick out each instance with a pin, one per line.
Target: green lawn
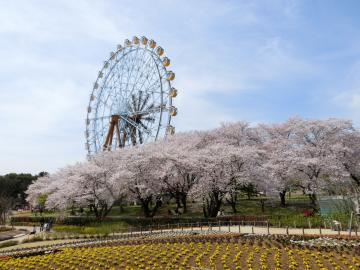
(292, 215)
(93, 228)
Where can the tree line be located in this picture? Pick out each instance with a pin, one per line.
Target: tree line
(317, 156)
(12, 191)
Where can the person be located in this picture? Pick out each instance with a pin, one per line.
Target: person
(337, 225)
(41, 226)
(34, 230)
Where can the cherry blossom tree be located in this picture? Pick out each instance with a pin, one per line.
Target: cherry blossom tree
(247, 162)
(312, 152)
(277, 143)
(176, 159)
(348, 152)
(94, 184)
(349, 156)
(213, 167)
(144, 172)
(226, 158)
(57, 188)
(100, 183)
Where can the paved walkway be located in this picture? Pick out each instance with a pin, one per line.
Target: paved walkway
(23, 232)
(274, 230)
(17, 233)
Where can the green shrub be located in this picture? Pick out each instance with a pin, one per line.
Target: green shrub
(92, 228)
(88, 221)
(5, 229)
(25, 220)
(8, 244)
(32, 239)
(89, 230)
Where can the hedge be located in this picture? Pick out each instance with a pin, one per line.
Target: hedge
(133, 221)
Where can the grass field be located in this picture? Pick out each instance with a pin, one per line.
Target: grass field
(93, 228)
(292, 215)
(192, 252)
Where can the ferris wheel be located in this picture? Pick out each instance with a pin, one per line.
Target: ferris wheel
(131, 101)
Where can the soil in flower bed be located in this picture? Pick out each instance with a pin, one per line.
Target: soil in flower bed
(200, 252)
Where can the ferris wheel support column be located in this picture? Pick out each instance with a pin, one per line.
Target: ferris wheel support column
(118, 134)
(114, 122)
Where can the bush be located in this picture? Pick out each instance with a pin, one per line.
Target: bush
(5, 229)
(30, 219)
(8, 244)
(32, 239)
(83, 221)
(92, 228)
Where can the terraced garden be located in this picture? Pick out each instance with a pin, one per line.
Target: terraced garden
(198, 252)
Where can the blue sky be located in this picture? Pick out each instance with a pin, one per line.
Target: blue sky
(257, 61)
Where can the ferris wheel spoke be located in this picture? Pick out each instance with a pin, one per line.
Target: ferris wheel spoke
(156, 82)
(154, 86)
(132, 65)
(99, 118)
(115, 82)
(131, 122)
(147, 79)
(139, 64)
(139, 77)
(150, 88)
(105, 104)
(155, 109)
(121, 72)
(152, 80)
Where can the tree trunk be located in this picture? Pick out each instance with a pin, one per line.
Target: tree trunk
(145, 205)
(183, 202)
(158, 204)
(262, 202)
(282, 198)
(356, 179)
(213, 204)
(233, 207)
(205, 212)
(178, 202)
(106, 211)
(101, 210)
(232, 201)
(95, 210)
(72, 212)
(313, 200)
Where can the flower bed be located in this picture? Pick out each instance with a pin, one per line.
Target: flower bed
(184, 250)
(327, 242)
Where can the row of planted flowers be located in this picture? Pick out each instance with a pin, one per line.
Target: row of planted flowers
(189, 250)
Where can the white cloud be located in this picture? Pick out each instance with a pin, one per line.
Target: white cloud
(58, 20)
(347, 96)
(349, 102)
